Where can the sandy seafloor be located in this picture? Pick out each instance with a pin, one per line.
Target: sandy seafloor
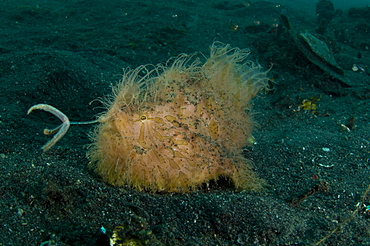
(69, 53)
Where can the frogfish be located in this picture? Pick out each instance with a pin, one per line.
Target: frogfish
(176, 126)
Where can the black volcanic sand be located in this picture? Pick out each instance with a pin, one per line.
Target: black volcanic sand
(70, 53)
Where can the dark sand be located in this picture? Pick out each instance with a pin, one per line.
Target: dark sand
(69, 53)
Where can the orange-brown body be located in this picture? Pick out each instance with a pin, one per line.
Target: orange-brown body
(181, 127)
